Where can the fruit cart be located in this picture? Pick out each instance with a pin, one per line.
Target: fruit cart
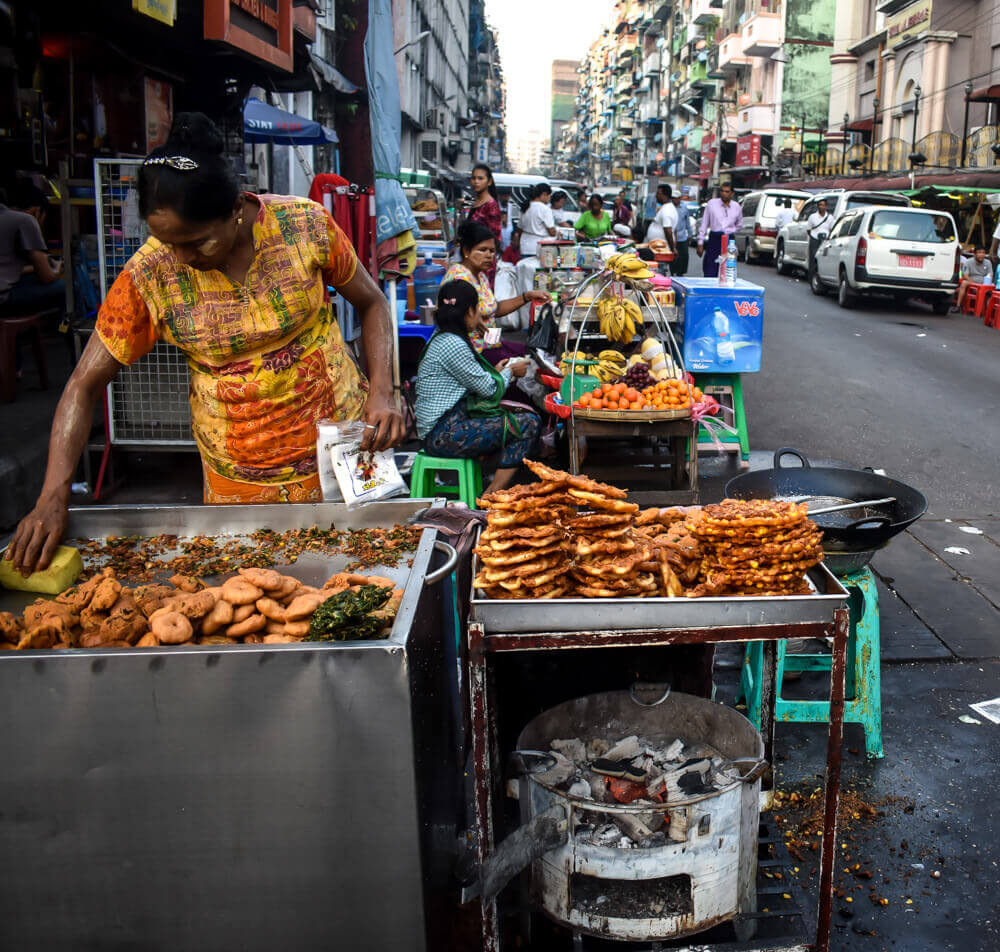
(649, 425)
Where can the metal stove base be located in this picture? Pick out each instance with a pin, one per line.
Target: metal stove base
(785, 926)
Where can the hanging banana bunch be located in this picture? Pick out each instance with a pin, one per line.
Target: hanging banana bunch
(628, 267)
(619, 319)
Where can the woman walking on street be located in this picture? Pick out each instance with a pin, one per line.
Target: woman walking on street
(537, 221)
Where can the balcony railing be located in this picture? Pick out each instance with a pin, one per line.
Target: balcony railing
(702, 12)
(731, 57)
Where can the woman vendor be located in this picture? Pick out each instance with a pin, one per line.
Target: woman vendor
(479, 251)
(594, 222)
(458, 393)
(239, 283)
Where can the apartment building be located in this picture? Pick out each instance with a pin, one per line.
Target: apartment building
(565, 86)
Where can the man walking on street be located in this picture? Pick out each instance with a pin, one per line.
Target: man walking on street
(819, 223)
(722, 217)
(682, 235)
(662, 226)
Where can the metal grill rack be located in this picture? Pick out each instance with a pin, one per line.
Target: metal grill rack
(148, 401)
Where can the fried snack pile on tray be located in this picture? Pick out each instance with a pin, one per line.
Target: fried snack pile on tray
(255, 606)
(524, 549)
(755, 547)
(570, 536)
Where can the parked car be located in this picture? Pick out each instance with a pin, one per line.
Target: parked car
(792, 246)
(903, 252)
(757, 235)
(516, 188)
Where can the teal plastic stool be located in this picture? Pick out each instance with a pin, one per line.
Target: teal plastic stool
(864, 679)
(470, 478)
(737, 419)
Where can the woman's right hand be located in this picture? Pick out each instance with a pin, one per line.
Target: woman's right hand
(38, 535)
(518, 368)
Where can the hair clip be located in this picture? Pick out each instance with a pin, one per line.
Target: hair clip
(451, 301)
(180, 163)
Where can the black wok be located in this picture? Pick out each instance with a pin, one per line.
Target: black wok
(874, 528)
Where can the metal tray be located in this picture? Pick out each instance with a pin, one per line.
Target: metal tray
(311, 568)
(525, 616)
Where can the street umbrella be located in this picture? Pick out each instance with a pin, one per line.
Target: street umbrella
(263, 123)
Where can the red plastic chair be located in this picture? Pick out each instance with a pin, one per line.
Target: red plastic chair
(992, 314)
(977, 298)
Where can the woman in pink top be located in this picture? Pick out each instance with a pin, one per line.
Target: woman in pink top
(486, 209)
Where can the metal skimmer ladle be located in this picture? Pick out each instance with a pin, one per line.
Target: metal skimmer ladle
(851, 505)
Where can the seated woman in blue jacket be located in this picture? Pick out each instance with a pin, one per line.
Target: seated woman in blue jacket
(458, 406)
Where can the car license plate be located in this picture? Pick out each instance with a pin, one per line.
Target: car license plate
(911, 261)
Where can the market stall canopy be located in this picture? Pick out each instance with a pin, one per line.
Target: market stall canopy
(263, 123)
(957, 191)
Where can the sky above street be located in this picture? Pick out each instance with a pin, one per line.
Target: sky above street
(531, 34)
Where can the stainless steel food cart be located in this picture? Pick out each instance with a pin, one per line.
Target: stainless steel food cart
(238, 797)
(497, 627)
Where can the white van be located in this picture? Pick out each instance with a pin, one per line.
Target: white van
(904, 252)
(757, 235)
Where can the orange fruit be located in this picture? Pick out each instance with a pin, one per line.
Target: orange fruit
(631, 395)
(635, 405)
(623, 404)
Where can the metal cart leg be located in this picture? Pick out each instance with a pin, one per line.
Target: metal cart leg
(834, 753)
(482, 765)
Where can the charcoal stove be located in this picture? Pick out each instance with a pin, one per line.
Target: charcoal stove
(697, 872)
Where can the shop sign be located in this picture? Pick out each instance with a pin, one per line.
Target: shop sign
(482, 149)
(159, 97)
(260, 28)
(748, 150)
(905, 25)
(163, 10)
(707, 155)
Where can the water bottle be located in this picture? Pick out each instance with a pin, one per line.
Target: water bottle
(724, 350)
(730, 281)
(426, 281)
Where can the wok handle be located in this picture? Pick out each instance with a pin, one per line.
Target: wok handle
(452, 559)
(872, 522)
(789, 451)
(641, 685)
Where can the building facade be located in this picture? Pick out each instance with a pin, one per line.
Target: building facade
(565, 86)
(916, 78)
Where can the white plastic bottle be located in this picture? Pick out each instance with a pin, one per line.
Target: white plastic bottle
(730, 281)
(725, 353)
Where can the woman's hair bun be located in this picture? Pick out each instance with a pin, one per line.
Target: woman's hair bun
(194, 133)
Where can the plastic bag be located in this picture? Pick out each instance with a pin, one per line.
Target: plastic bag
(350, 475)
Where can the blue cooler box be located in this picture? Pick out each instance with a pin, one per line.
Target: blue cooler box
(723, 327)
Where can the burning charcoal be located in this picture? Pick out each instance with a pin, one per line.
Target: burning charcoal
(598, 789)
(621, 769)
(632, 827)
(625, 749)
(580, 789)
(655, 841)
(673, 752)
(652, 821)
(597, 747)
(657, 786)
(607, 835)
(573, 749)
(559, 773)
(625, 843)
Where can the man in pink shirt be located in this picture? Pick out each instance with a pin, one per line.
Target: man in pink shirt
(722, 217)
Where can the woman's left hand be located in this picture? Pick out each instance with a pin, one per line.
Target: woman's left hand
(539, 297)
(386, 427)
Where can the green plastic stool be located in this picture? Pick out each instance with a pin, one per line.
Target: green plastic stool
(738, 420)
(864, 680)
(470, 478)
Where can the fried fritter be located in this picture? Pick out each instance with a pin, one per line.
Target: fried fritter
(502, 518)
(597, 520)
(514, 556)
(544, 488)
(602, 502)
(594, 546)
(527, 503)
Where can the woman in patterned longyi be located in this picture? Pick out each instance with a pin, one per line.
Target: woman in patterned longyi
(239, 283)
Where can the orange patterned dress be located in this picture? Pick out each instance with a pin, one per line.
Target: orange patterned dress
(267, 359)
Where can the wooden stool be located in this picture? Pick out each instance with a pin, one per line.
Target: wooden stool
(470, 478)
(9, 329)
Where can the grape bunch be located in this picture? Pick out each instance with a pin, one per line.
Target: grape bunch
(638, 376)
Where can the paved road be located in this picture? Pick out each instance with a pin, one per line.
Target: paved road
(903, 390)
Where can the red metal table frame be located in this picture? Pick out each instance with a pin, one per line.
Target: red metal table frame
(483, 702)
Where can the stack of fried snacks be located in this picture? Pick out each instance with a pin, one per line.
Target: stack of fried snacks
(524, 549)
(755, 547)
(672, 542)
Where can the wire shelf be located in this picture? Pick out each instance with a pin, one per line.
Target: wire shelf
(148, 402)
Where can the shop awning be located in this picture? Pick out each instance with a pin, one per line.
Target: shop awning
(861, 125)
(263, 123)
(928, 190)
